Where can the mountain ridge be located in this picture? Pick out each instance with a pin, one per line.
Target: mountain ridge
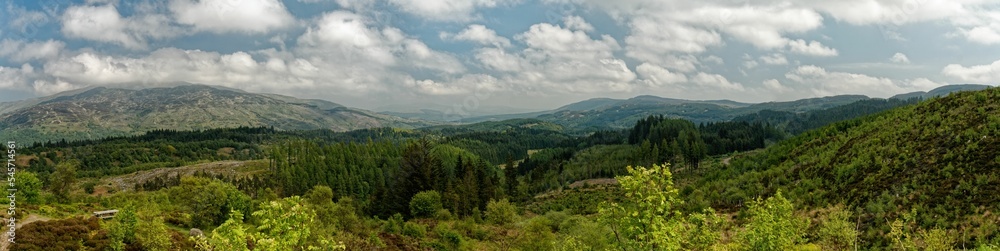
(100, 112)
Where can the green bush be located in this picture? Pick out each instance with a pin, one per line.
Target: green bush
(415, 230)
(500, 212)
(442, 215)
(837, 231)
(772, 225)
(425, 204)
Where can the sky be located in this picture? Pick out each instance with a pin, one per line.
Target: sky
(467, 55)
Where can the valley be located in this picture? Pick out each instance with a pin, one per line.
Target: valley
(838, 173)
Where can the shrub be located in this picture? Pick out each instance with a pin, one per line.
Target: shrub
(414, 230)
(836, 231)
(442, 215)
(500, 212)
(425, 204)
(772, 225)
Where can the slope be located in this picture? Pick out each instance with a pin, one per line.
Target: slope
(936, 161)
(101, 112)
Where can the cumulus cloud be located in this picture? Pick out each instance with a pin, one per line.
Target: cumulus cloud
(900, 58)
(447, 10)
(773, 85)
(103, 23)
(983, 74)
(658, 76)
(820, 82)
(15, 78)
(664, 47)
(478, 33)
(812, 48)
(774, 59)
(351, 40)
(715, 81)
(577, 23)
(20, 51)
(651, 38)
(983, 35)
(232, 16)
(560, 60)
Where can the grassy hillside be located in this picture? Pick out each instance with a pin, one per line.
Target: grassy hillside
(937, 162)
(102, 112)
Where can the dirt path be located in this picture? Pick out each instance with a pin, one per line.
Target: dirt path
(31, 218)
(726, 160)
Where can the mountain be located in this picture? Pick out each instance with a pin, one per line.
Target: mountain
(590, 104)
(809, 104)
(100, 112)
(941, 91)
(936, 160)
(607, 113)
(624, 113)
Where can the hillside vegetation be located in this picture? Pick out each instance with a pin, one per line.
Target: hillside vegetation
(101, 112)
(937, 162)
(921, 176)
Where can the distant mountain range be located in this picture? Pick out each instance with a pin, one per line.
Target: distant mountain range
(941, 91)
(100, 112)
(605, 113)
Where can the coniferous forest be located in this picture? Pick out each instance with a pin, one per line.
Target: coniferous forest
(872, 175)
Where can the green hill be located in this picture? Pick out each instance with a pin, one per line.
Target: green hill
(101, 112)
(939, 159)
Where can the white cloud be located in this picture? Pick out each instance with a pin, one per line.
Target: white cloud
(447, 10)
(46, 87)
(763, 26)
(500, 60)
(983, 74)
(714, 59)
(983, 34)
(652, 38)
(900, 58)
(577, 23)
(812, 48)
(478, 33)
(773, 85)
(816, 81)
(559, 60)
(232, 16)
(467, 84)
(774, 59)
(20, 51)
(715, 81)
(15, 78)
(104, 24)
(23, 20)
(547, 40)
(352, 41)
(658, 76)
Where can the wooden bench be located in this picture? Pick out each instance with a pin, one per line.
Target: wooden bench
(106, 214)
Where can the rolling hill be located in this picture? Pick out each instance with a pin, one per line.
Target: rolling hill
(935, 161)
(606, 113)
(100, 112)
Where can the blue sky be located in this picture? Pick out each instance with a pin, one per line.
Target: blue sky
(475, 54)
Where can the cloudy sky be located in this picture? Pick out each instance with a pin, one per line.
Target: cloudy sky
(513, 53)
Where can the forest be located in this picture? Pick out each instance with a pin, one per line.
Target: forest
(871, 175)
